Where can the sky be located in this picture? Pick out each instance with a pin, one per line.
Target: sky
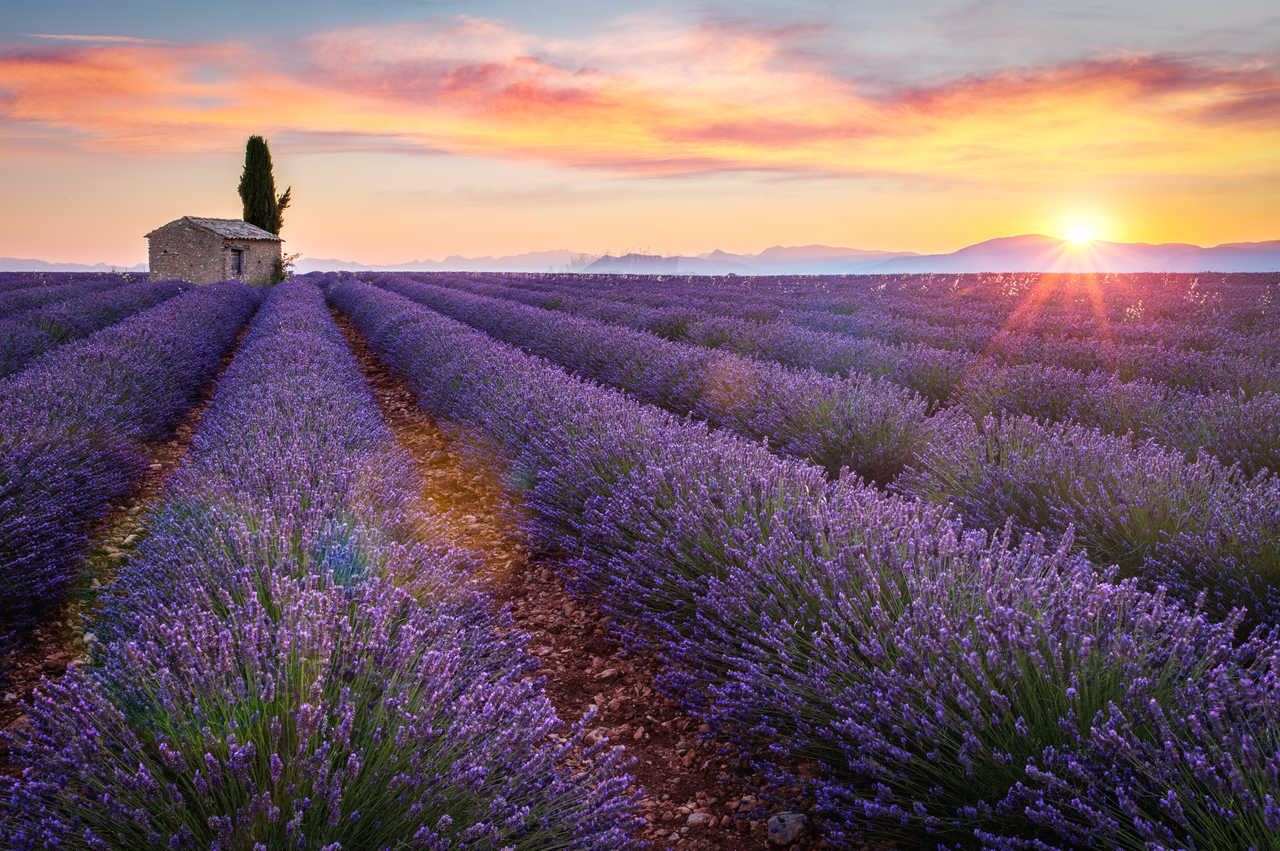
(417, 130)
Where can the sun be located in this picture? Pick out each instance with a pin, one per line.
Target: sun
(1079, 235)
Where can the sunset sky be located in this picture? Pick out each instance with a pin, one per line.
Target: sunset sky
(423, 129)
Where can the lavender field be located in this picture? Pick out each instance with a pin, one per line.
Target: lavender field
(897, 561)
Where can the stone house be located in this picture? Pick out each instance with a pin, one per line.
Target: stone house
(203, 250)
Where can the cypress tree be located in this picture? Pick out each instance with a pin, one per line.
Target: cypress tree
(262, 207)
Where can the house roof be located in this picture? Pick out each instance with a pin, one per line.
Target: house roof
(231, 228)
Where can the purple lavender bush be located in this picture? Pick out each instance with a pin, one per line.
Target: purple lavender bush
(982, 695)
(75, 425)
(1194, 526)
(952, 688)
(305, 714)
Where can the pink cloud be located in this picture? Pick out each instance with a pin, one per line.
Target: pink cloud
(647, 96)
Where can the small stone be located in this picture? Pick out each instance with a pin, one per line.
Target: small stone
(129, 539)
(785, 828)
(638, 735)
(674, 837)
(607, 674)
(10, 697)
(699, 819)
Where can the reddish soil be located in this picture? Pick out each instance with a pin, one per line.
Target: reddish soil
(60, 640)
(695, 797)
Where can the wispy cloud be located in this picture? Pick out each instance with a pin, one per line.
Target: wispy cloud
(100, 39)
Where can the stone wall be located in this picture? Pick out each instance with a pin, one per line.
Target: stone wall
(190, 253)
(260, 258)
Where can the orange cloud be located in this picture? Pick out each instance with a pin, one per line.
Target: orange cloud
(650, 97)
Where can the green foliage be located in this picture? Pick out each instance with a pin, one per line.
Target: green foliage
(283, 268)
(262, 207)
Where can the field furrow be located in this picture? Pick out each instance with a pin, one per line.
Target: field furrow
(682, 770)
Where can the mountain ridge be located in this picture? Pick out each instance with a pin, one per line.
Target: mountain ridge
(1018, 253)
(29, 264)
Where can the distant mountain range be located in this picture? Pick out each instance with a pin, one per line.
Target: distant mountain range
(21, 264)
(1036, 253)
(532, 261)
(1030, 253)
(1027, 253)
(779, 260)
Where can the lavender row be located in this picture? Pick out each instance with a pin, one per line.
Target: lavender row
(950, 687)
(1129, 502)
(1236, 429)
(75, 427)
(1086, 323)
(294, 660)
(26, 280)
(1248, 366)
(1147, 308)
(24, 298)
(1037, 331)
(869, 425)
(32, 332)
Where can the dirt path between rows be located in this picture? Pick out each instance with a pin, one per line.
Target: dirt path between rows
(60, 640)
(695, 797)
